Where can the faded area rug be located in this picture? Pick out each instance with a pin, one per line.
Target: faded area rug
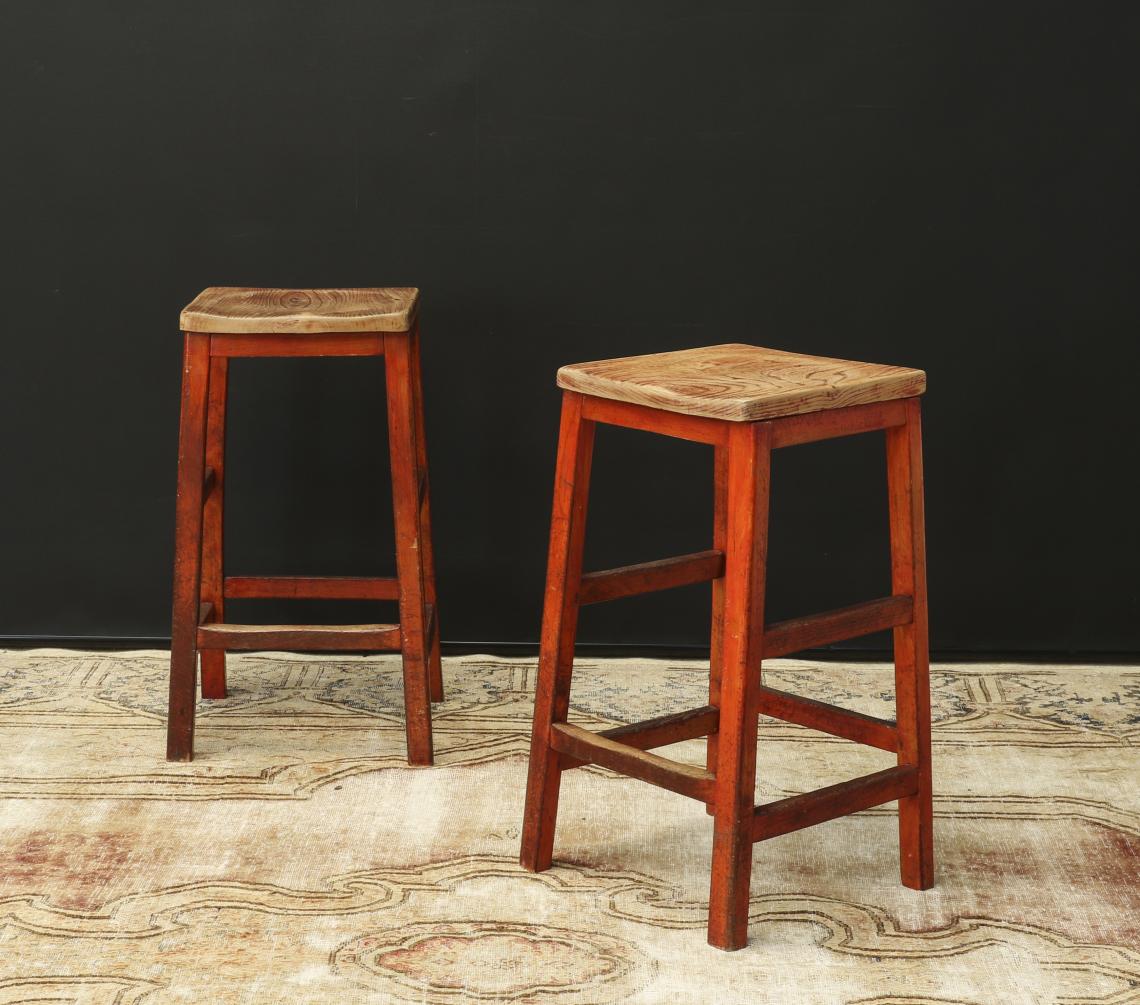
(299, 860)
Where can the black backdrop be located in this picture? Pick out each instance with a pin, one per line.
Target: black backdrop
(948, 185)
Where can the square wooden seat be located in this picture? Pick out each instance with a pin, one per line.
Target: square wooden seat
(741, 383)
(239, 310)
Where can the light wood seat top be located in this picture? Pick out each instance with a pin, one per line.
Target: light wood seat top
(741, 383)
(242, 310)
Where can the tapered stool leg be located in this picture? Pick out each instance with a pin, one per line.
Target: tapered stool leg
(749, 467)
(435, 666)
(559, 627)
(912, 658)
(214, 660)
(188, 548)
(716, 637)
(402, 435)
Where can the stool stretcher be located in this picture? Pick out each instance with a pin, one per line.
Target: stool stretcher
(796, 812)
(581, 744)
(313, 587)
(648, 577)
(351, 638)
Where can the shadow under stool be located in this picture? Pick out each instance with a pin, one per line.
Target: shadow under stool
(745, 401)
(224, 322)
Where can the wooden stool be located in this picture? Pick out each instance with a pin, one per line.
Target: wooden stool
(745, 401)
(223, 322)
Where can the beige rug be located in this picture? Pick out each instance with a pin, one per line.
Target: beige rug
(299, 860)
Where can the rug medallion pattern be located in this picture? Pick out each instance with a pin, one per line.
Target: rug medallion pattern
(298, 859)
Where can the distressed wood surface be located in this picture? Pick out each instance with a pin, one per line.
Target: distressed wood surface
(188, 548)
(213, 663)
(831, 719)
(427, 548)
(299, 345)
(559, 630)
(658, 732)
(716, 629)
(313, 587)
(582, 745)
(796, 812)
(815, 630)
(741, 383)
(912, 647)
(746, 552)
(810, 427)
(332, 638)
(646, 577)
(253, 310)
(404, 454)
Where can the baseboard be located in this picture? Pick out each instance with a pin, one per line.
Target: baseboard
(604, 650)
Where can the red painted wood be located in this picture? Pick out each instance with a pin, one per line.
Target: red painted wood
(796, 812)
(659, 731)
(435, 666)
(647, 577)
(829, 719)
(199, 537)
(654, 420)
(214, 662)
(404, 454)
(742, 470)
(716, 636)
(313, 587)
(749, 474)
(811, 426)
(290, 638)
(187, 548)
(912, 655)
(582, 745)
(798, 634)
(325, 344)
(559, 626)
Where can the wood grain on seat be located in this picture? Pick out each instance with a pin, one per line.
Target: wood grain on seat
(250, 310)
(742, 383)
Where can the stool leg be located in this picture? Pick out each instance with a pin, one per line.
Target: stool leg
(435, 667)
(214, 660)
(749, 467)
(912, 659)
(716, 639)
(402, 435)
(188, 548)
(559, 627)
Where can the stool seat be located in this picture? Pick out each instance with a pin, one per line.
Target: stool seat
(240, 310)
(741, 383)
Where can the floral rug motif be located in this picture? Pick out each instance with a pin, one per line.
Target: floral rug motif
(299, 859)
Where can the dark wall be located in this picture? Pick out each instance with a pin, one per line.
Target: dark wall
(951, 186)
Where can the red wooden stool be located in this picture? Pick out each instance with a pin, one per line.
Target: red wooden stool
(745, 401)
(223, 322)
